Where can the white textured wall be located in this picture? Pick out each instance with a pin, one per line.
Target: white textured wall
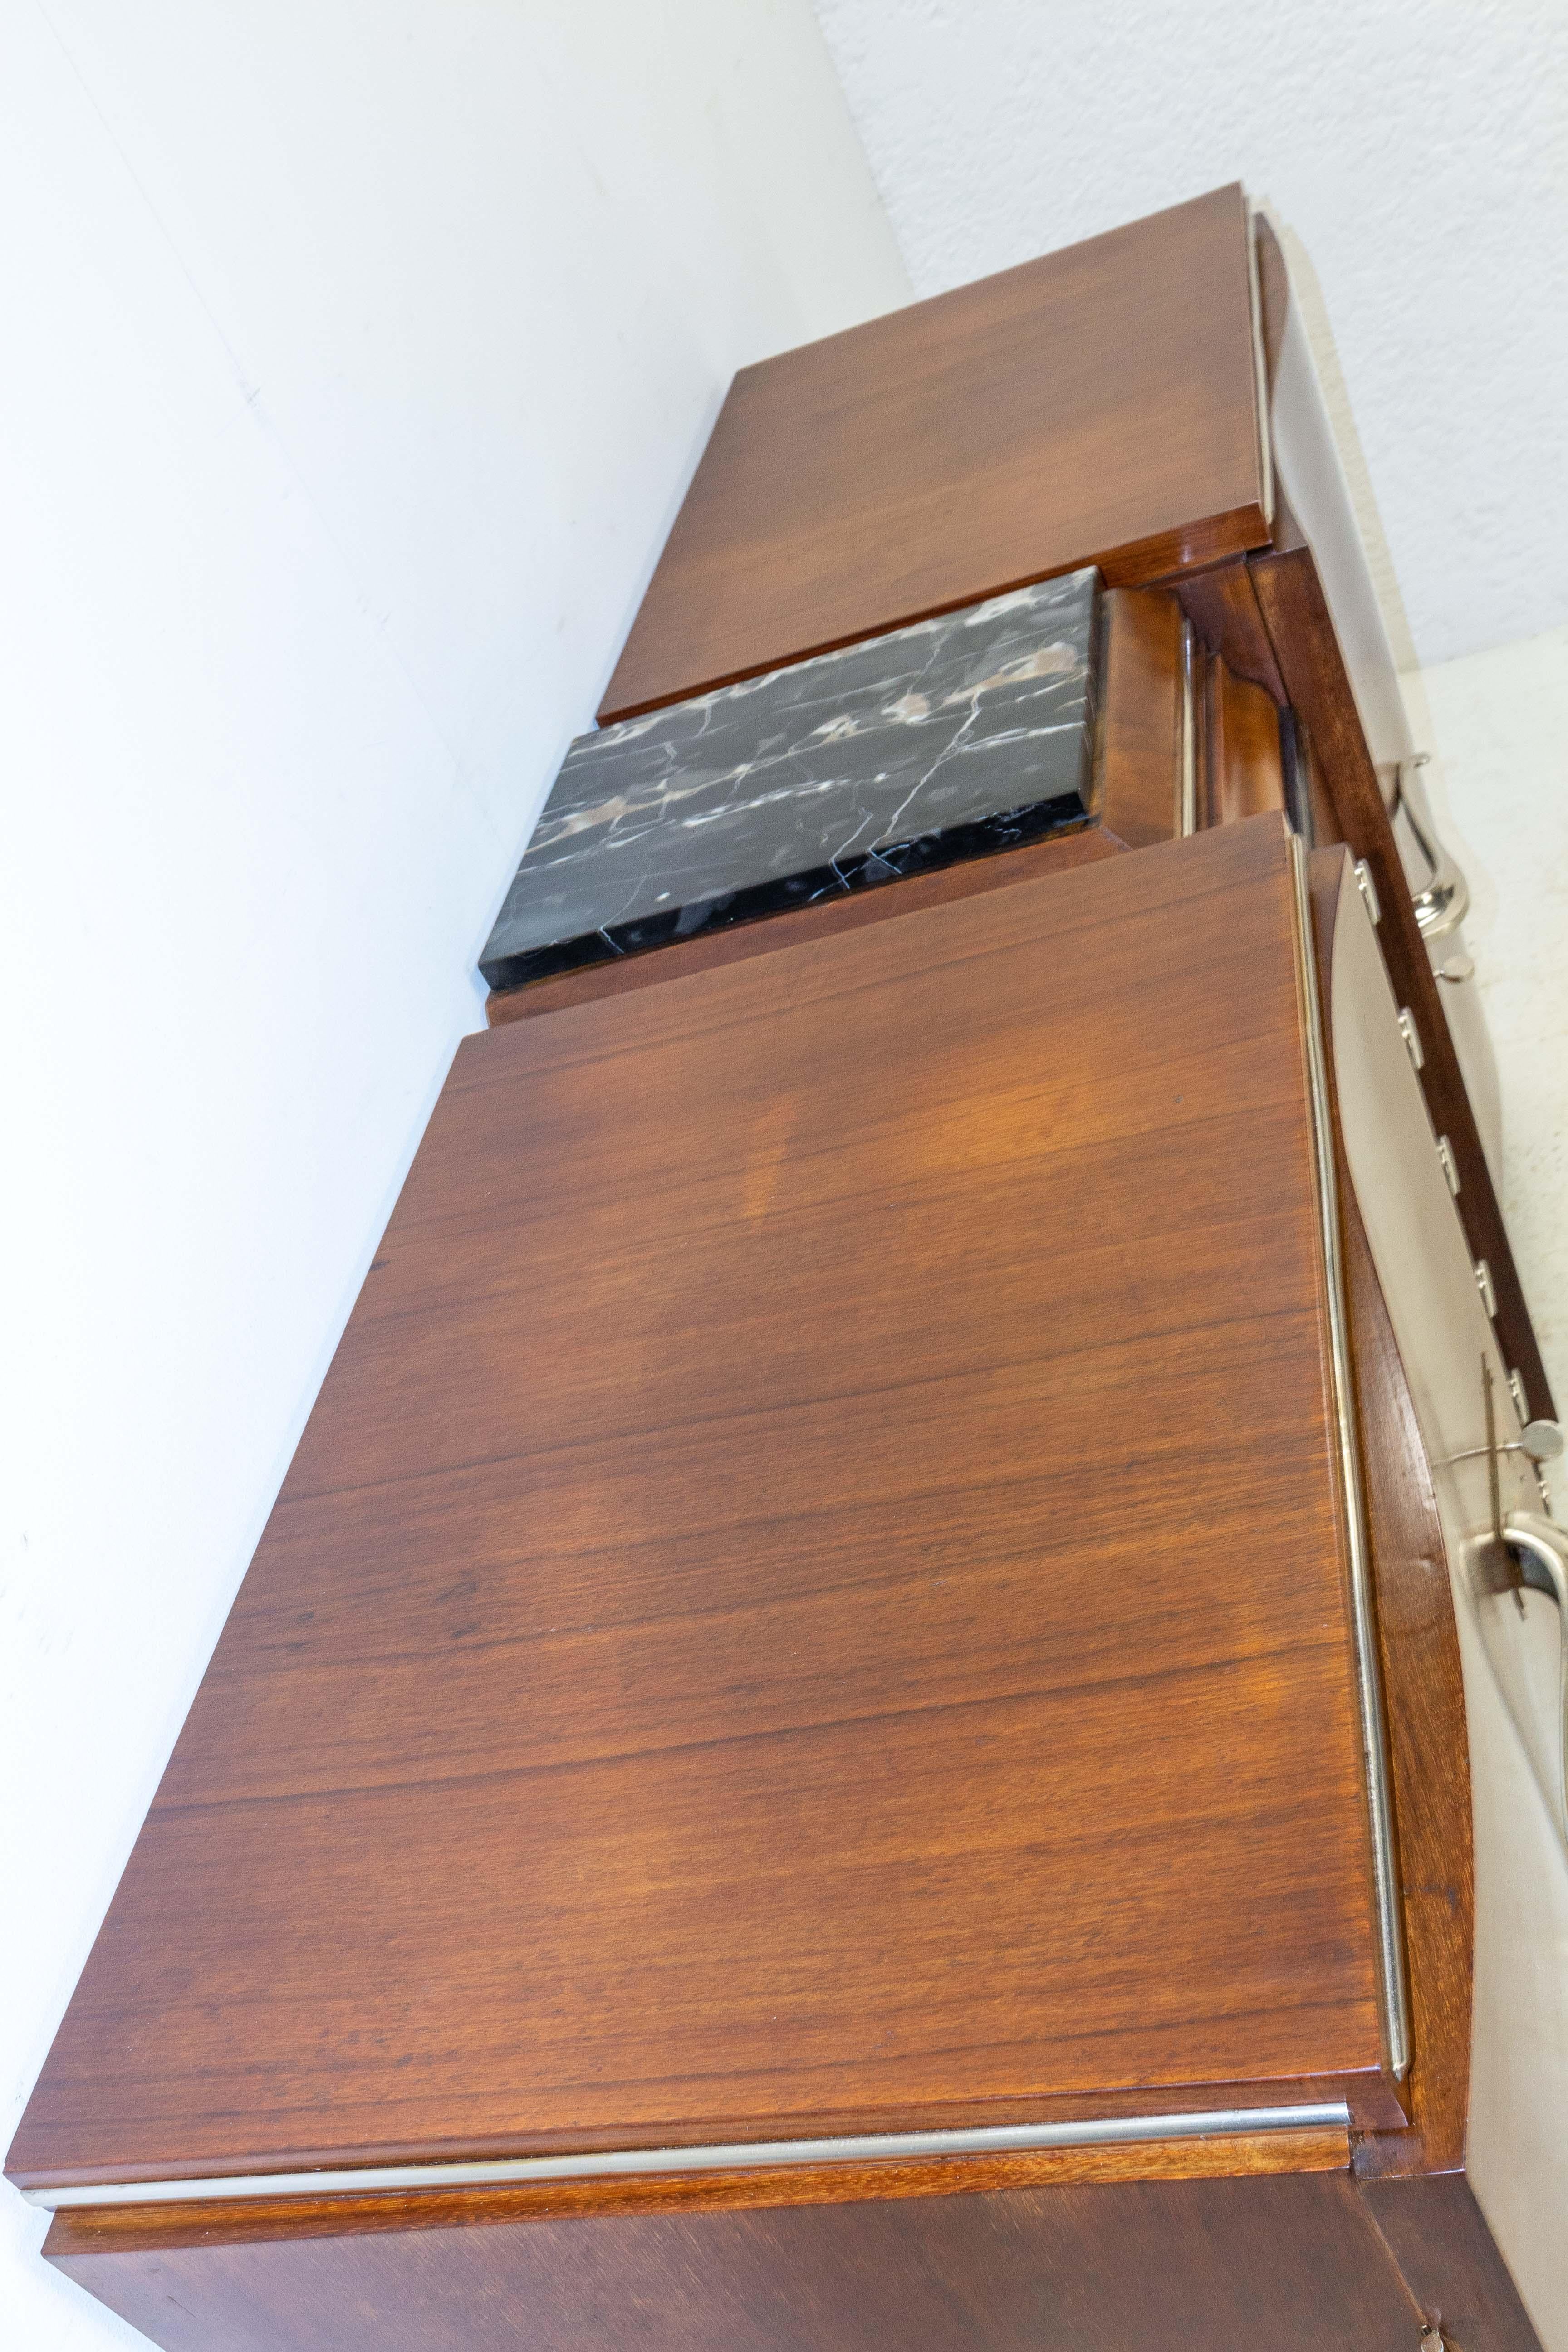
(355, 356)
(1418, 148)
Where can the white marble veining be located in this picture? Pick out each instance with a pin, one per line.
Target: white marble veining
(966, 733)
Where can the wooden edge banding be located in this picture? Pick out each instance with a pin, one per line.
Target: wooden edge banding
(120, 2229)
(1291, 600)
(1138, 736)
(1211, 539)
(768, 933)
(1245, 772)
(1222, 605)
(1422, 1683)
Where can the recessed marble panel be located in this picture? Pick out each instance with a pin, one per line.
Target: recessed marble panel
(960, 736)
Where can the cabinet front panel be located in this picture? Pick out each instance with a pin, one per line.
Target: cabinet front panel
(813, 1595)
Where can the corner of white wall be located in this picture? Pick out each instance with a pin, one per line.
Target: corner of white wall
(356, 361)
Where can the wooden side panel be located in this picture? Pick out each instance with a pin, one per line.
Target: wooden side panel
(1222, 605)
(1422, 1680)
(1435, 2229)
(1294, 2264)
(1241, 737)
(1139, 748)
(1096, 406)
(765, 1630)
(1315, 681)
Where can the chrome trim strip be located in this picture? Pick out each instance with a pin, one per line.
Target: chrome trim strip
(1104, 2131)
(1394, 1990)
(1188, 750)
(1260, 363)
(1443, 903)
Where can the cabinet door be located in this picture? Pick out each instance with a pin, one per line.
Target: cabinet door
(1098, 405)
(813, 1598)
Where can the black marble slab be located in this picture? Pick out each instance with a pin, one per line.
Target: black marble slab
(961, 735)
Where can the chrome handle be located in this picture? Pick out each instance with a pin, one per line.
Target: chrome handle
(1540, 1550)
(1445, 902)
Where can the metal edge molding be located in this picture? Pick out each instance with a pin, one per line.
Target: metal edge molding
(1188, 738)
(1393, 1986)
(1106, 2131)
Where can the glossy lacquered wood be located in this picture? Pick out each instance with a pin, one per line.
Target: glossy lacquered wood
(1138, 770)
(1293, 2264)
(1231, 2156)
(1098, 405)
(1422, 1678)
(813, 1596)
(1243, 771)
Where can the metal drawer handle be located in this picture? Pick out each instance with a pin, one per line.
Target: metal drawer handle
(1540, 1550)
(1445, 902)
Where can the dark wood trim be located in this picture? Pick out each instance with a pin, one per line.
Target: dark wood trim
(1189, 2265)
(1243, 773)
(1423, 1683)
(1291, 600)
(1438, 2234)
(1222, 605)
(1139, 746)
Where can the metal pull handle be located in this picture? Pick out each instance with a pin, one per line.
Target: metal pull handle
(1540, 1552)
(1445, 902)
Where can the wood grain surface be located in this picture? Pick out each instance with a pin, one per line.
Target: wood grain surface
(1422, 1683)
(1138, 751)
(1232, 2155)
(1289, 2264)
(1098, 405)
(812, 1596)
(1244, 775)
(1222, 605)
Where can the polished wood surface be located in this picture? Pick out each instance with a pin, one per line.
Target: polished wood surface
(123, 2229)
(1015, 428)
(1422, 1679)
(766, 1629)
(1289, 2264)
(1096, 406)
(1242, 771)
(1138, 758)
(1222, 605)
(1318, 687)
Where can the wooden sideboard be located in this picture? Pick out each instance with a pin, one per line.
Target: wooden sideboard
(851, 1725)
(1146, 402)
